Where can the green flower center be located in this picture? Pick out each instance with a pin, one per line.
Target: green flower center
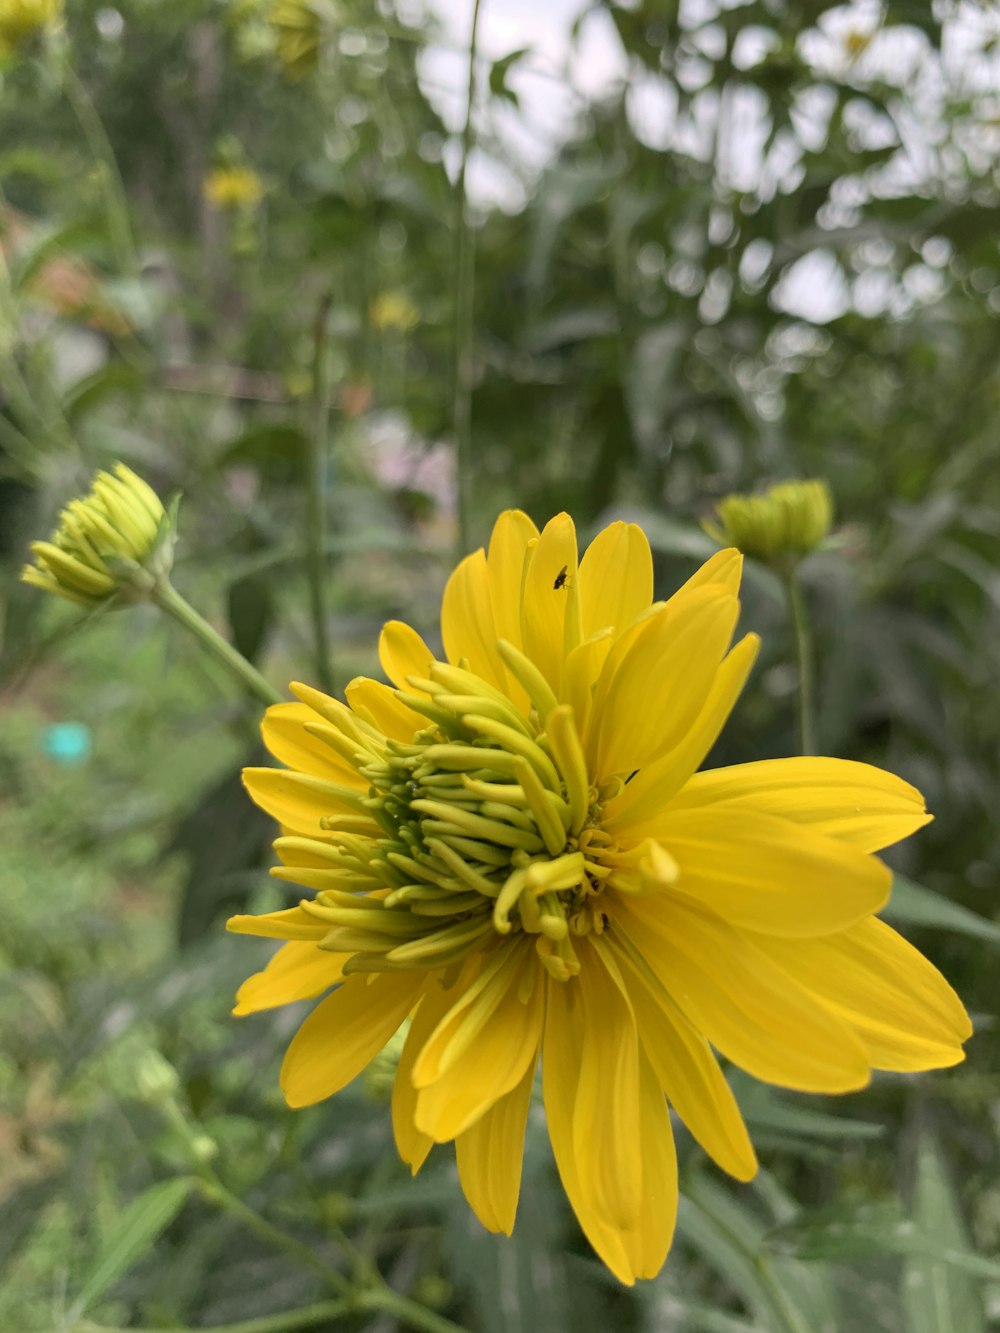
(486, 832)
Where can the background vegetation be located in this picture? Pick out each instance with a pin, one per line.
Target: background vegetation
(769, 250)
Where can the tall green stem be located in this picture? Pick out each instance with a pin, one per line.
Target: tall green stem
(116, 201)
(804, 660)
(464, 329)
(316, 506)
(168, 599)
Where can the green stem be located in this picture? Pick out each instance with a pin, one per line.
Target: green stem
(464, 330)
(307, 1317)
(316, 479)
(168, 599)
(408, 1312)
(116, 200)
(804, 660)
(217, 1193)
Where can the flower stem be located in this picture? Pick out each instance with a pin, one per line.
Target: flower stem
(464, 328)
(408, 1312)
(217, 1193)
(168, 599)
(378, 1297)
(116, 201)
(309, 1316)
(804, 660)
(316, 484)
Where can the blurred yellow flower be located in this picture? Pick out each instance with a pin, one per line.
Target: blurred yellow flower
(297, 36)
(394, 310)
(784, 523)
(116, 540)
(233, 187)
(512, 849)
(20, 20)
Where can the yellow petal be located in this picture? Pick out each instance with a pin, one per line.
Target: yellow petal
(594, 1021)
(853, 802)
(562, 1054)
(898, 1003)
(648, 1242)
(490, 1155)
(298, 971)
(403, 653)
(284, 734)
(745, 1005)
(569, 1064)
(344, 1033)
(661, 686)
(725, 568)
(616, 578)
(763, 873)
(550, 582)
(290, 924)
(482, 1046)
(412, 1145)
(378, 704)
(467, 624)
(649, 792)
(512, 532)
(581, 670)
(298, 801)
(687, 1070)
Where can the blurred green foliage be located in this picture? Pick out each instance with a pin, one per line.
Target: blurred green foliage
(633, 353)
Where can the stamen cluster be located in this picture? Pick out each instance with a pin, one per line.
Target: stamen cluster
(482, 826)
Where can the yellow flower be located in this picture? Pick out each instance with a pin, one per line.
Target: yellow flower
(785, 523)
(394, 310)
(118, 539)
(511, 848)
(20, 20)
(297, 36)
(233, 187)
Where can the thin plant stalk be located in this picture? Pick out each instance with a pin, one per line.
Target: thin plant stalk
(169, 600)
(317, 472)
(804, 661)
(377, 1296)
(464, 310)
(116, 201)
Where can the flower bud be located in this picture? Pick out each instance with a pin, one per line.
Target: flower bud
(115, 541)
(297, 35)
(233, 187)
(21, 20)
(156, 1080)
(778, 527)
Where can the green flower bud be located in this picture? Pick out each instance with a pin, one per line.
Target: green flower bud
(116, 541)
(778, 527)
(157, 1080)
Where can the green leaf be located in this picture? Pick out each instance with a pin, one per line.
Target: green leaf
(913, 905)
(133, 1236)
(846, 1231)
(937, 1296)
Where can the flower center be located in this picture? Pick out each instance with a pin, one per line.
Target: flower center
(489, 829)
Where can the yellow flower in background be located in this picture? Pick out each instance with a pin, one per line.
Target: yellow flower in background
(784, 523)
(20, 20)
(296, 28)
(394, 310)
(116, 540)
(511, 847)
(233, 187)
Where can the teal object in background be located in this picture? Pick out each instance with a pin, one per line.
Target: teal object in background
(67, 743)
